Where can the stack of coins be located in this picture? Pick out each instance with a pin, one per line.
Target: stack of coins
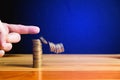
(37, 53)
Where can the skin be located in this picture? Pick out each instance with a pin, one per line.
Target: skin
(10, 33)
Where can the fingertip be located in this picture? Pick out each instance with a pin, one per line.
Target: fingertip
(36, 29)
(0, 22)
(2, 52)
(13, 37)
(7, 47)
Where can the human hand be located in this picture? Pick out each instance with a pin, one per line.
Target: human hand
(10, 33)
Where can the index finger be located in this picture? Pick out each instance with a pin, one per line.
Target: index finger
(22, 29)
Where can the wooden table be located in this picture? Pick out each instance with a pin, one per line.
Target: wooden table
(61, 67)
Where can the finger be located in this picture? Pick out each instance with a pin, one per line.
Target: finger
(2, 52)
(2, 34)
(7, 47)
(13, 37)
(21, 29)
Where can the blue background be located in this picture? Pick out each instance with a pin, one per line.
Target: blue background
(83, 26)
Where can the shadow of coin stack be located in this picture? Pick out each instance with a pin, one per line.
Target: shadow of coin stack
(37, 53)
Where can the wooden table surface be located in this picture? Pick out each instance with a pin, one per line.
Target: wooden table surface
(61, 67)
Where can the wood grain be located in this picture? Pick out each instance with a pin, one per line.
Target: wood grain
(61, 67)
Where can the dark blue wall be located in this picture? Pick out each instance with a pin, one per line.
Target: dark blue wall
(84, 26)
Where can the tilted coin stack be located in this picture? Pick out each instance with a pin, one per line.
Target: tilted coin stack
(37, 53)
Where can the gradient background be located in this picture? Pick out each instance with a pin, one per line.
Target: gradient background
(83, 26)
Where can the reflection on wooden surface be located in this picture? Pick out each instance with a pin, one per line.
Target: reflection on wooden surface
(81, 75)
(61, 67)
(20, 75)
